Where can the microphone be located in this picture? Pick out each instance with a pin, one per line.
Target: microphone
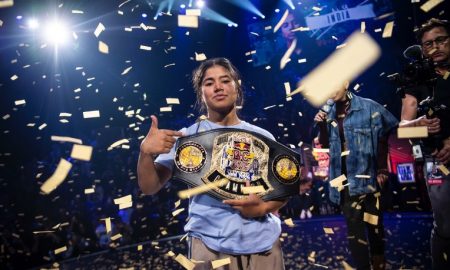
(326, 108)
(413, 52)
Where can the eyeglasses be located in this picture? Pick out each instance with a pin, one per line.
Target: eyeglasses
(439, 41)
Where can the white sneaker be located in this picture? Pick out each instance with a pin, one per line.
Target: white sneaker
(303, 214)
(308, 214)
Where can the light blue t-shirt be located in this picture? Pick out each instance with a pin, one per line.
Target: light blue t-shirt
(218, 225)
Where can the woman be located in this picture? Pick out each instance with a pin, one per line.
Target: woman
(244, 230)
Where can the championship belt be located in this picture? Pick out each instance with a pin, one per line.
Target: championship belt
(240, 156)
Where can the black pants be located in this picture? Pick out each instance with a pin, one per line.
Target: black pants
(440, 235)
(363, 246)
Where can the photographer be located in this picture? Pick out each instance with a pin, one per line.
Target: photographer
(434, 39)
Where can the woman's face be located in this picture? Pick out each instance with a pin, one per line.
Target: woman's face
(219, 91)
(287, 26)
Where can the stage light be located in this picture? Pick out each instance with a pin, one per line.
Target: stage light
(277, 10)
(190, 3)
(33, 24)
(182, 6)
(200, 3)
(247, 5)
(289, 3)
(56, 32)
(144, 15)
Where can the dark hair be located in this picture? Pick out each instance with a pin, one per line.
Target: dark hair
(430, 24)
(199, 73)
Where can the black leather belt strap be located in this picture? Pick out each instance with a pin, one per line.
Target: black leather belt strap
(240, 156)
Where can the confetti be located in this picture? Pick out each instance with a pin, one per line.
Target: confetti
(338, 182)
(194, 12)
(362, 176)
(286, 57)
(321, 150)
(345, 153)
(75, 11)
(201, 189)
(100, 28)
(6, 3)
(287, 89)
(60, 250)
(145, 48)
(220, 262)
(103, 48)
(66, 139)
(387, 32)
(430, 4)
(125, 71)
(371, 219)
(412, 132)
(107, 224)
(58, 176)
(117, 143)
(89, 190)
(363, 27)
(200, 57)
(19, 102)
(443, 169)
(139, 247)
(281, 21)
(188, 21)
(14, 77)
(124, 199)
(343, 65)
(328, 230)
(176, 212)
(91, 114)
(115, 237)
(81, 152)
(165, 109)
(253, 189)
(172, 101)
(447, 73)
(185, 262)
(289, 222)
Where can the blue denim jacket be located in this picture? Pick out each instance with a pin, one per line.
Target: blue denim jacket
(364, 124)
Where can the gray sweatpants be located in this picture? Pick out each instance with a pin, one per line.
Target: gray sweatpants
(269, 260)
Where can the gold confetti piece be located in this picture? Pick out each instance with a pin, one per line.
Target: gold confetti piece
(139, 247)
(115, 237)
(58, 176)
(280, 23)
(41, 127)
(321, 150)
(301, 29)
(125, 71)
(362, 176)
(289, 222)
(328, 230)
(6, 116)
(145, 48)
(170, 253)
(100, 28)
(194, 12)
(337, 182)
(363, 27)
(117, 143)
(287, 89)
(346, 266)
(172, 101)
(443, 169)
(286, 57)
(165, 109)
(89, 190)
(375, 114)
(185, 262)
(65, 114)
(201, 189)
(387, 32)
(430, 4)
(125, 205)
(343, 65)
(253, 189)
(40, 232)
(14, 77)
(447, 73)
(123, 199)
(66, 139)
(188, 21)
(107, 224)
(303, 60)
(6, 3)
(91, 114)
(176, 212)
(60, 250)
(200, 57)
(20, 102)
(220, 262)
(177, 203)
(75, 11)
(412, 132)
(169, 65)
(103, 48)
(81, 152)
(371, 219)
(345, 153)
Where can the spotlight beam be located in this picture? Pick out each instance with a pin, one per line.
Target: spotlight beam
(247, 5)
(214, 16)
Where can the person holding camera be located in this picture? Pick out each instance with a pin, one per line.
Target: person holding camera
(435, 44)
(355, 130)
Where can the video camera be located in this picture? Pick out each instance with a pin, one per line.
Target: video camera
(419, 71)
